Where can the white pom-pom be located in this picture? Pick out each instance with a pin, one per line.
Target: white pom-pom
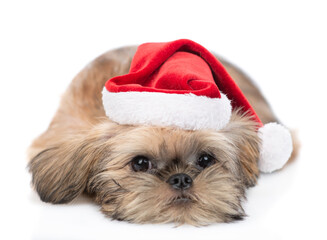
(276, 147)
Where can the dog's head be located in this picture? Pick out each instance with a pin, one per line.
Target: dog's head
(152, 174)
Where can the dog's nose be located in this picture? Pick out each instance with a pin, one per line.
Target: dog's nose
(180, 181)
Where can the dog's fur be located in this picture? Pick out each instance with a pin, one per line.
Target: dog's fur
(83, 151)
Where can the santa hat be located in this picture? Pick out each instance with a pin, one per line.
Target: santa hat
(182, 84)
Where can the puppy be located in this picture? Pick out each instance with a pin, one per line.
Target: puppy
(143, 173)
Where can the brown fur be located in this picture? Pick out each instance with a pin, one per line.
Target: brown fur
(83, 151)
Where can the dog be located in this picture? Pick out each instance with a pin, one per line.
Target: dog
(144, 173)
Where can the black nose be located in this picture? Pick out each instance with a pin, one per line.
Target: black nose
(180, 181)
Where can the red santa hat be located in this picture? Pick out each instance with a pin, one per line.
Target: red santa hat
(181, 84)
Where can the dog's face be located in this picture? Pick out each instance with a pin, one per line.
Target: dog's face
(151, 174)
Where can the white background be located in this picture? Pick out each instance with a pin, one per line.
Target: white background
(281, 44)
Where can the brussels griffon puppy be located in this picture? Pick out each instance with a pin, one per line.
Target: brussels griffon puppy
(144, 173)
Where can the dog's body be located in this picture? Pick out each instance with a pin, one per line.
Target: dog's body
(84, 151)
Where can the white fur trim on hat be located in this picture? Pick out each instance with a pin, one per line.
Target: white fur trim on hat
(186, 111)
(276, 147)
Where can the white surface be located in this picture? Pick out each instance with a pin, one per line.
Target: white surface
(282, 45)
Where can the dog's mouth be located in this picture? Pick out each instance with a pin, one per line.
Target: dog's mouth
(181, 200)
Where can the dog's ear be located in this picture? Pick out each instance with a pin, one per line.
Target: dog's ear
(60, 172)
(242, 132)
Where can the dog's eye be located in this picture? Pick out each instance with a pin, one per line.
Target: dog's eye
(141, 164)
(205, 160)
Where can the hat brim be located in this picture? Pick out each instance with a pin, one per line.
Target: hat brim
(185, 111)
